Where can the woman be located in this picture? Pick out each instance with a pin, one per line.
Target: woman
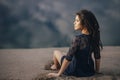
(78, 61)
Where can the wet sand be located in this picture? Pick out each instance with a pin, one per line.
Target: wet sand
(28, 64)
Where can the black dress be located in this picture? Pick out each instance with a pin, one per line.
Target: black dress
(80, 55)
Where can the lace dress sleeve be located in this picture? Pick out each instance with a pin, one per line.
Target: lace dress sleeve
(97, 53)
(73, 48)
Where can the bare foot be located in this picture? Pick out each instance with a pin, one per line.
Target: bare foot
(53, 67)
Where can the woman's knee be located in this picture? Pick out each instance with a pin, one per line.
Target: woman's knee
(56, 52)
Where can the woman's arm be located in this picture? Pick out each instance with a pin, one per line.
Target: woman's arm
(97, 65)
(97, 57)
(64, 66)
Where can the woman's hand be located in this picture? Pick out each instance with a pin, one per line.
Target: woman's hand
(53, 75)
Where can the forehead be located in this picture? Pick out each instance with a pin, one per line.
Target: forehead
(77, 17)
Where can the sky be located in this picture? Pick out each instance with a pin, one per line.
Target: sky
(49, 23)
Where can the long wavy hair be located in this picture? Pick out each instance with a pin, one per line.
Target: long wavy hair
(89, 21)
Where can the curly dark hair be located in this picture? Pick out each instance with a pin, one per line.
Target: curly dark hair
(89, 21)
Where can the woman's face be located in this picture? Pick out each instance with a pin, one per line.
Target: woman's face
(77, 23)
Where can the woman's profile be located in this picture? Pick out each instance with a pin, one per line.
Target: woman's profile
(78, 61)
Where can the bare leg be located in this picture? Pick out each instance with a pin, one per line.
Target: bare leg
(57, 55)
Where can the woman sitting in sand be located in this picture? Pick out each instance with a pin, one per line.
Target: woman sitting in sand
(78, 61)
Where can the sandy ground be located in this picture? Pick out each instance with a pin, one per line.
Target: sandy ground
(28, 64)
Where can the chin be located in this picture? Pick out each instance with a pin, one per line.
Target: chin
(76, 29)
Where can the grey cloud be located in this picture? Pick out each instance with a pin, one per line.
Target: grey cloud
(49, 23)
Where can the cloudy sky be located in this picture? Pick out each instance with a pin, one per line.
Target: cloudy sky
(49, 23)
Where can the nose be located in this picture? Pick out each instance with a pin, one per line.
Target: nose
(74, 22)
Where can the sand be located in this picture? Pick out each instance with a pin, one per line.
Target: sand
(28, 64)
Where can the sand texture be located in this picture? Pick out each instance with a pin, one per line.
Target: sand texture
(28, 64)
